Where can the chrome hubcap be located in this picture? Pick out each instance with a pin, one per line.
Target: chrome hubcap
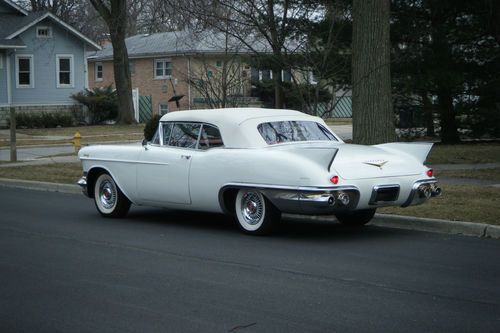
(107, 194)
(252, 208)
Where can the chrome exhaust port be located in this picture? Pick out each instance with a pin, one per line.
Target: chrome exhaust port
(424, 191)
(436, 191)
(343, 198)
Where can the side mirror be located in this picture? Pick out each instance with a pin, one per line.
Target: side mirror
(145, 144)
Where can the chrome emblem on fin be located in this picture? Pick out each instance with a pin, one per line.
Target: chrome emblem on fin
(377, 163)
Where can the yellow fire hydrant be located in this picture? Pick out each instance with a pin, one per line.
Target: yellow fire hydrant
(77, 141)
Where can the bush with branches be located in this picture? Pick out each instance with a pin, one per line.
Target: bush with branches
(101, 102)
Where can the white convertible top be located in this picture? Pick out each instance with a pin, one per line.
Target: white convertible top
(238, 126)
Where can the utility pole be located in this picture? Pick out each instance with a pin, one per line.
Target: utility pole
(13, 148)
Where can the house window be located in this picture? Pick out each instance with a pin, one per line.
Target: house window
(312, 79)
(265, 74)
(43, 32)
(163, 108)
(24, 71)
(286, 75)
(163, 69)
(64, 70)
(98, 71)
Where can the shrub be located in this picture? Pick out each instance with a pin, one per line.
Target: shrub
(101, 102)
(43, 119)
(151, 127)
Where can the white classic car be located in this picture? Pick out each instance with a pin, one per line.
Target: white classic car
(256, 164)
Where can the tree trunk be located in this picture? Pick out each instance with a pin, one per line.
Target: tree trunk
(443, 75)
(122, 81)
(278, 89)
(449, 131)
(116, 19)
(373, 116)
(428, 114)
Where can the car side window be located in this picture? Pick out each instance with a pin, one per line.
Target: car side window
(184, 135)
(156, 138)
(210, 138)
(167, 130)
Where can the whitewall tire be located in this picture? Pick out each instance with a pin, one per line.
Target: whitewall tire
(256, 215)
(109, 199)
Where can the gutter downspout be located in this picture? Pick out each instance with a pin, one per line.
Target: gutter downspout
(9, 87)
(85, 67)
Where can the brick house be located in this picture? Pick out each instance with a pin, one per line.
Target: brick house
(181, 61)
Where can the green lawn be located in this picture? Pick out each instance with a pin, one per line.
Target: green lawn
(465, 153)
(66, 173)
(89, 134)
(470, 204)
(85, 130)
(483, 174)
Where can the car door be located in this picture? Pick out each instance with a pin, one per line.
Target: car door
(163, 171)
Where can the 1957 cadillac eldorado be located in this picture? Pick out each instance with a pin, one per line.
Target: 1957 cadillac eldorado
(256, 164)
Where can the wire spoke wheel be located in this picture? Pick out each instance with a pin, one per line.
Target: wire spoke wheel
(255, 214)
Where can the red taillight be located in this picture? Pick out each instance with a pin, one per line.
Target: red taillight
(430, 172)
(334, 180)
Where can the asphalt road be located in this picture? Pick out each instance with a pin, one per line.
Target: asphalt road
(65, 269)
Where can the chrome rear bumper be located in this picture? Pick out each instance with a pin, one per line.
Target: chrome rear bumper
(421, 191)
(304, 200)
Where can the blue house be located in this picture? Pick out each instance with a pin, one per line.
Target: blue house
(42, 62)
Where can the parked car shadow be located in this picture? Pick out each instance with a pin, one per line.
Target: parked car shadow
(287, 228)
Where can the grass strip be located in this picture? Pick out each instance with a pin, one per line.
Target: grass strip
(470, 153)
(483, 174)
(65, 173)
(458, 203)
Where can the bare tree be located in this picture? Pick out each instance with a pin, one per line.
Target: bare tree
(263, 26)
(373, 115)
(323, 63)
(114, 13)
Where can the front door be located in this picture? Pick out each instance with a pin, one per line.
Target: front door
(163, 175)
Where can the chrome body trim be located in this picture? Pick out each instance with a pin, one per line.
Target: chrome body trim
(300, 199)
(87, 158)
(380, 203)
(82, 182)
(414, 199)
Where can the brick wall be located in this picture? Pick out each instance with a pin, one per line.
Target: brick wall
(161, 91)
(143, 78)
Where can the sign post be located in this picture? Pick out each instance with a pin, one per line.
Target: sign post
(13, 148)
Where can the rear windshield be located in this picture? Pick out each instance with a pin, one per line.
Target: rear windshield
(290, 131)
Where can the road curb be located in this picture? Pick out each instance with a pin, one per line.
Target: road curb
(431, 225)
(382, 220)
(419, 224)
(40, 186)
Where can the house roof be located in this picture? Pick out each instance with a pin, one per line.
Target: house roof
(14, 43)
(176, 43)
(12, 25)
(15, 7)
